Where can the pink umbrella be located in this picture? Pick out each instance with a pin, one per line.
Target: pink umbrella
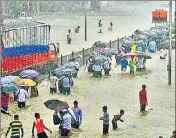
(130, 54)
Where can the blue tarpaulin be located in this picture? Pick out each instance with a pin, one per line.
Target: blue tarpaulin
(24, 50)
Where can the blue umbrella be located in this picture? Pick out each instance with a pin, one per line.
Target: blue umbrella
(5, 80)
(10, 87)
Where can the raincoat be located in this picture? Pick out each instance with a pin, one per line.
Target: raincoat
(152, 46)
(133, 48)
(132, 64)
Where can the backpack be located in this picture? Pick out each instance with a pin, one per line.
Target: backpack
(56, 119)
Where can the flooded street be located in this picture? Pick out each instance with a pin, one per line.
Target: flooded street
(118, 91)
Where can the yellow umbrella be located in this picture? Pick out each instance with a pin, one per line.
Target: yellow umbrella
(26, 82)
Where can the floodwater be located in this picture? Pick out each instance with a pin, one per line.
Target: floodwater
(118, 91)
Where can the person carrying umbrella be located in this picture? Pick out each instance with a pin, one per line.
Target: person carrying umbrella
(106, 66)
(53, 84)
(124, 64)
(97, 70)
(132, 64)
(4, 101)
(66, 85)
(65, 126)
(22, 96)
(39, 125)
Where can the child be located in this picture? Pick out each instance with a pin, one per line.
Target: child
(132, 64)
(110, 28)
(100, 23)
(77, 29)
(105, 119)
(116, 118)
(124, 64)
(143, 98)
(69, 36)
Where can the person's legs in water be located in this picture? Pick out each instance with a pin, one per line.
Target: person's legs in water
(42, 135)
(64, 90)
(142, 107)
(100, 73)
(114, 125)
(105, 129)
(64, 132)
(68, 90)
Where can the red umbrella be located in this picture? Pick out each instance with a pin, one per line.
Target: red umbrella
(130, 54)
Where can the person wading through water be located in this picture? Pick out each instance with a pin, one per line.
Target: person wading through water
(16, 125)
(69, 36)
(38, 123)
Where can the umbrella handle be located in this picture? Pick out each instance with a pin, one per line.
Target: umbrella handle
(71, 115)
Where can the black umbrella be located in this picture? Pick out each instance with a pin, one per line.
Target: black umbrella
(110, 52)
(55, 104)
(142, 54)
(63, 72)
(100, 59)
(100, 44)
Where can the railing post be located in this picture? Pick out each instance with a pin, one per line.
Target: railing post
(72, 54)
(83, 56)
(118, 44)
(61, 60)
(110, 44)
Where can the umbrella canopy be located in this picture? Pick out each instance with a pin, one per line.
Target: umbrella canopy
(100, 59)
(55, 104)
(100, 44)
(110, 52)
(29, 74)
(61, 73)
(10, 87)
(128, 43)
(142, 54)
(5, 80)
(26, 82)
(90, 54)
(71, 65)
(130, 54)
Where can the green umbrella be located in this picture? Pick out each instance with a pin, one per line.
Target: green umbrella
(11, 87)
(100, 44)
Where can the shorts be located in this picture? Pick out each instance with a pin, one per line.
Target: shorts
(114, 125)
(53, 90)
(42, 135)
(21, 104)
(105, 129)
(143, 106)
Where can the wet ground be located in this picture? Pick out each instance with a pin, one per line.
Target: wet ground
(119, 91)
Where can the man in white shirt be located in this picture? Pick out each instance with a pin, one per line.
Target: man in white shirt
(22, 96)
(53, 84)
(66, 123)
(163, 53)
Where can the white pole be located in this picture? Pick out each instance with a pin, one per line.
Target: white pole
(170, 42)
